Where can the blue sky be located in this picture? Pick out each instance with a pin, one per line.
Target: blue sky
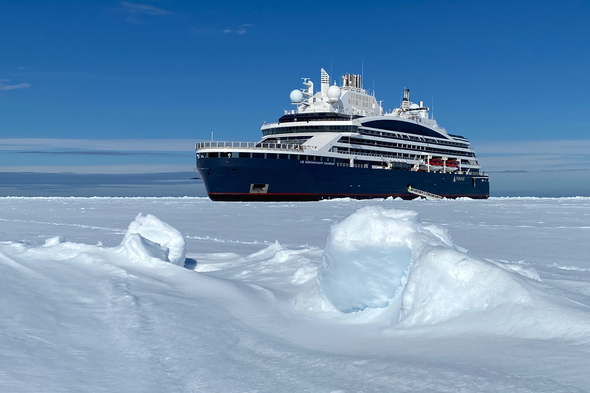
(129, 86)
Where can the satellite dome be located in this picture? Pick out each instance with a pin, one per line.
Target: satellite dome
(413, 109)
(296, 96)
(333, 94)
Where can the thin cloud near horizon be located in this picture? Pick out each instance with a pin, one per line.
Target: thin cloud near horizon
(4, 87)
(523, 147)
(97, 145)
(534, 156)
(99, 169)
(104, 153)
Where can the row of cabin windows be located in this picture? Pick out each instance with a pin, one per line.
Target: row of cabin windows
(387, 134)
(346, 150)
(370, 142)
(404, 156)
(312, 128)
(304, 157)
(301, 157)
(355, 129)
(298, 140)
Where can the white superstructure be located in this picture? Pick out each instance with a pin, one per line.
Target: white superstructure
(348, 126)
(349, 99)
(346, 121)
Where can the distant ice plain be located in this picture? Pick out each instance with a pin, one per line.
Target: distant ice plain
(86, 321)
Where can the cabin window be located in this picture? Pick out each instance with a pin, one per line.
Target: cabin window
(213, 155)
(244, 155)
(257, 155)
(271, 155)
(283, 156)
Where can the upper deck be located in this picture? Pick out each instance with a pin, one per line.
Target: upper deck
(215, 145)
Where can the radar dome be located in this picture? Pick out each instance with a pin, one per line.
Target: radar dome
(296, 96)
(413, 109)
(333, 94)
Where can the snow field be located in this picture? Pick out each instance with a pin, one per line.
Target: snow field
(354, 296)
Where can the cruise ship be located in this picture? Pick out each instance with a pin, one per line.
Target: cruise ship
(338, 142)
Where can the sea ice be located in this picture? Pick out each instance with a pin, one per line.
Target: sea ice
(120, 317)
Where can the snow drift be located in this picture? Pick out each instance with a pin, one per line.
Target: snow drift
(388, 259)
(147, 241)
(378, 257)
(148, 238)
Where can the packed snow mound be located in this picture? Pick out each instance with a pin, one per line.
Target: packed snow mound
(138, 249)
(365, 263)
(444, 283)
(54, 241)
(379, 258)
(368, 256)
(147, 237)
(147, 241)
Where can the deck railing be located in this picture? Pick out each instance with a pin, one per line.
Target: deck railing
(248, 145)
(299, 148)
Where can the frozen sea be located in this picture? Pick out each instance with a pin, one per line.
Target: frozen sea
(333, 296)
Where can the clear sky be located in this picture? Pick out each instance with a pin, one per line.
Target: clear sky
(128, 87)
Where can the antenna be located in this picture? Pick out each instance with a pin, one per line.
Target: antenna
(362, 71)
(331, 74)
(433, 107)
(211, 135)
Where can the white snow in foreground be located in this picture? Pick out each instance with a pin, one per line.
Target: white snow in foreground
(379, 258)
(348, 296)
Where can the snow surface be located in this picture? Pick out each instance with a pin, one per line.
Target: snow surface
(343, 295)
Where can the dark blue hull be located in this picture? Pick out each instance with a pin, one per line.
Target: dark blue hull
(252, 179)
